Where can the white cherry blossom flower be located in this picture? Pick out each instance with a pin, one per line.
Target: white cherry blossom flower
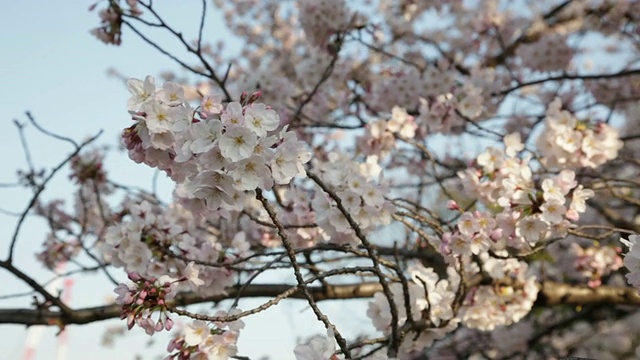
(553, 211)
(196, 333)
(401, 123)
(287, 162)
(460, 245)
(468, 224)
(513, 143)
(569, 141)
(161, 118)
(172, 94)
(552, 191)
(233, 115)
(531, 228)
(141, 92)
(566, 180)
(205, 135)
(579, 199)
(479, 243)
(237, 143)
(162, 140)
(373, 195)
(212, 105)
(471, 106)
(261, 120)
(137, 257)
(212, 160)
(192, 273)
(251, 173)
(216, 350)
(318, 348)
(350, 200)
(491, 159)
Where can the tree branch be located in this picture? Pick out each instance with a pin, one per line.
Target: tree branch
(551, 293)
(99, 313)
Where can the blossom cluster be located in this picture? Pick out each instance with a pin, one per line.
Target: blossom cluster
(90, 203)
(153, 244)
(379, 138)
(608, 91)
(322, 65)
(549, 53)
(504, 342)
(442, 106)
(201, 341)
(448, 112)
(604, 340)
(632, 260)
(56, 251)
(110, 30)
(144, 298)
(591, 262)
(218, 154)
(323, 347)
(506, 301)
(296, 210)
(427, 294)
(322, 18)
(318, 347)
(88, 166)
(528, 211)
(398, 87)
(567, 142)
(92, 211)
(361, 191)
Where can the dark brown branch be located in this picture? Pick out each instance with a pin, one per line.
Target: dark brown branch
(395, 336)
(342, 343)
(196, 51)
(614, 217)
(49, 133)
(100, 313)
(551, 293)
(39, 191)
(54, 300)
(202, 20)
(565, 77)
(554, 293)
(531, 35)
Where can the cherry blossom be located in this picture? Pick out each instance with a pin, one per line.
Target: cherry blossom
(444, 165)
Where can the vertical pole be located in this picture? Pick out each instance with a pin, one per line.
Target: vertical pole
(34, 333)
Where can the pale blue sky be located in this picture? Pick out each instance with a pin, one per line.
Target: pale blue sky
(51, 66)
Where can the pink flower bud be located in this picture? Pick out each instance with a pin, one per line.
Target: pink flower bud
(174, 344)
(168, 324)
(130, 321)
(134, 276)
(255, 96)
(594, 283)
(496, 234)
(572, 215)
(452, 205)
